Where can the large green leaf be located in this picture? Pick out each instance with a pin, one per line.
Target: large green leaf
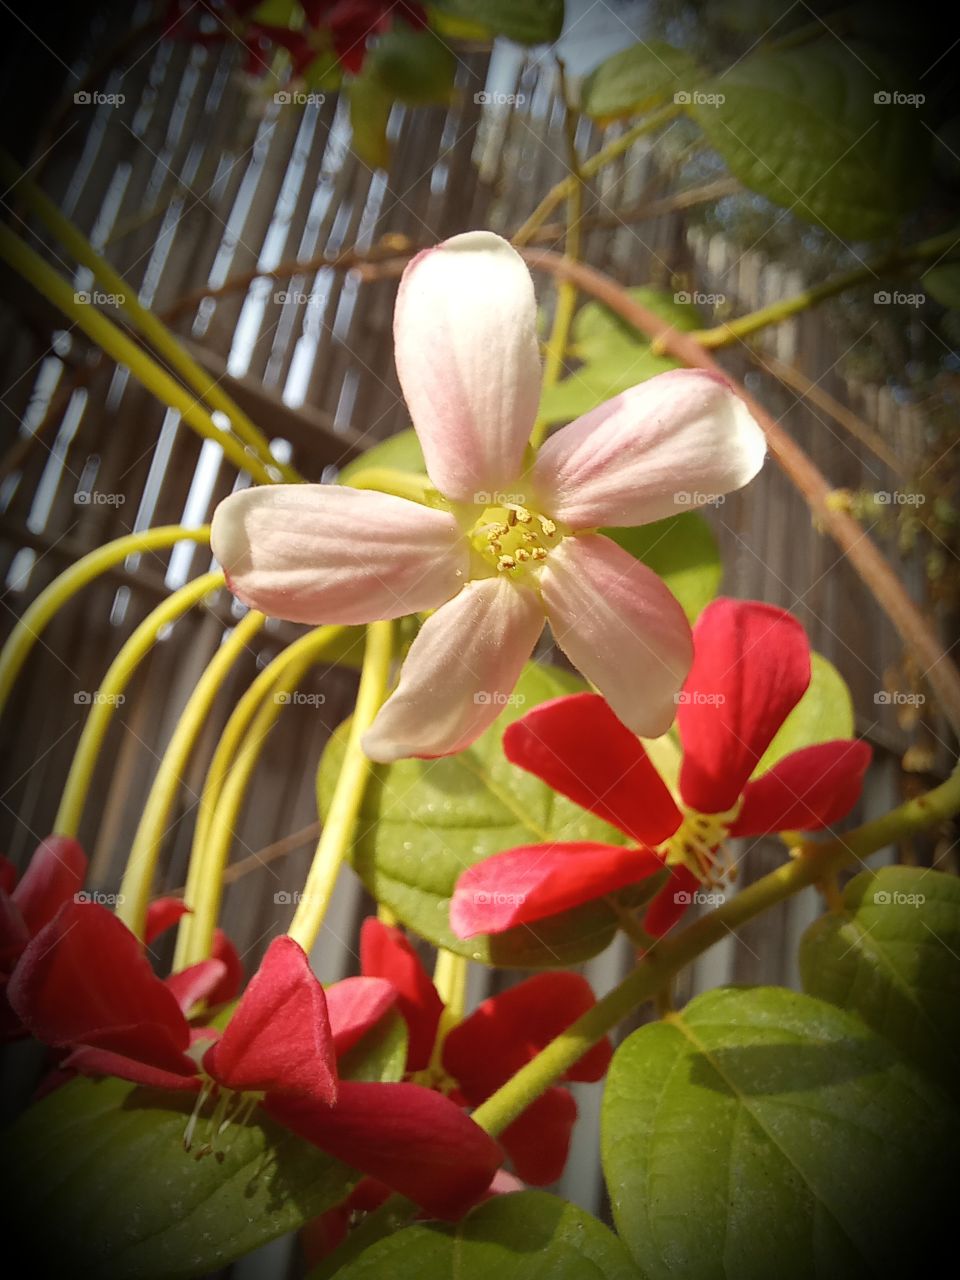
(597, 331)
(600, 380)
(370, 107)
(893, 957)
(943, 284)
(380, 1055)
(401, 452)
(415, 66)
(98, 1183)
(764, 1133)
(636, 79)
(527, 1236)
(801, 126)
(683, 551)
(526, 21)
(823, 713)
(423, 822)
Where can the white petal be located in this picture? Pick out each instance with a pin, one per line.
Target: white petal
(325, 553)
(617, 622)
(458, 673)
(466, 349)
(668, 444)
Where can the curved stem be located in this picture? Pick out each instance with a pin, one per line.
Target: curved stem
(64, 588)
(348, 794)
(110, 695)
(135, 887)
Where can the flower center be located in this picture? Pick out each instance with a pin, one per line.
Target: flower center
(698, 845)
(513, 538)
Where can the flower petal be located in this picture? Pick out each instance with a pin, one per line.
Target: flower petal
(102, 1062)
(417, 1141)
(467, 358)
(751, 667)
(54, 876)
(805, 790)
(279, 1035)
(323, 553)
(662, 446)
(617, 622)
(538, 1141)
(385, 952)
(229, 986)
(671, 902)
(195, 983)
(503, 1033)
(354, 1007)
(163, 914)
(579, 748)
(458, 673)
(539, 880)
(8, 875)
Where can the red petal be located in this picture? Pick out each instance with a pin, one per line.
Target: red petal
(279, 1035)
(163, 914)
(671, 902)
(751, 667)
(386, 953)
(538, 1141)
(195, 983)
(509, 1029)
(14, 934)
(354, 1007)
(54, 876)
(8, 875)
(538, 880)
(229, 986)
(101, 1062)
(579, 748)
(805, 790)
(85, 980)
(417, 1141)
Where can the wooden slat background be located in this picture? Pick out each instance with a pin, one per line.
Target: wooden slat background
(195, 179)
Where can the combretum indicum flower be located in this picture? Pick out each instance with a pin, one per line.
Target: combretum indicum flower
(511, 539)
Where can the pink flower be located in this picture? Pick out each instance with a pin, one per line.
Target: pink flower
(508, 542)
(751, 668)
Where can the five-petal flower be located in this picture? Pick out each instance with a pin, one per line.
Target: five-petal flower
(508, 542)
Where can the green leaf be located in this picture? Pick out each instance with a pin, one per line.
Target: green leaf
(801, 127)
(98, 1182)
(597, 331)
(599, 380)
(370, 107)
(527, 1236)
(943, 284)
(893, 957)
(636, 79)
(526, 21)
(381, 1055)
(423, 822)
(683, 551)
(401, 452)
(825, 712)
(764, 1133)
(414, 66)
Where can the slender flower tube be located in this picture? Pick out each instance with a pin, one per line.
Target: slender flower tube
(507, 542)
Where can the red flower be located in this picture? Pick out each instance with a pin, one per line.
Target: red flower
(84, 984)
(751, 667)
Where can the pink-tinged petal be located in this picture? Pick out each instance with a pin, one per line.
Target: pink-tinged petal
(458, 673)
(751, 667)
(55, 875)
(579, 748)
(231, 982)
(103, 1062)
(85, 980)
(163, 914)
(323, 553)
(617, 622)
(538, 1141)
(195, 983)
(417, 1141)
(663, 446)
(671, 902)
(279, 1035)
(504, 1184)
(806, 790)
(385, 952)
(503, 1033)
(539, 880)
(354, 1007)
(467, 358)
